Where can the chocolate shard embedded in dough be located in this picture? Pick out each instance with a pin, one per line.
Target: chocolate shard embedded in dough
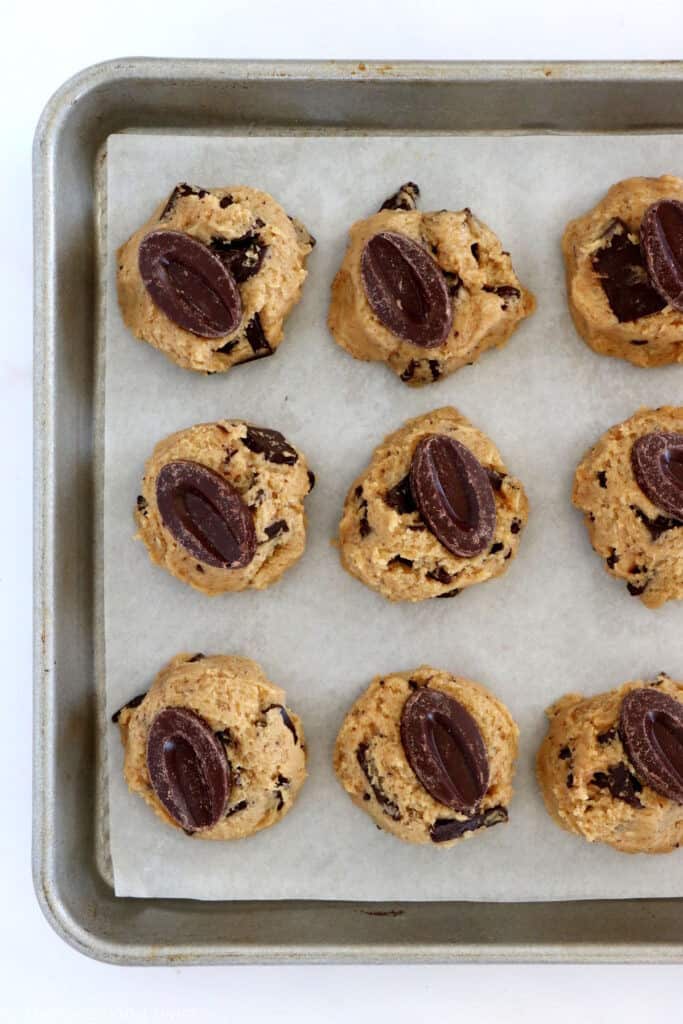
(404, 199)
(454, 494)
(661, 240)
(651, 730)
(406, 289)
(445, 749)
(620, 266)
(188, 768)
(445, 829)
(657, 462)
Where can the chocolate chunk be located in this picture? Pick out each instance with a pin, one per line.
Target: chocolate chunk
(639, 341)
(242, 256)
(657, 526)
(495, 548)
(196, 657)
(364, 527)
(474, 249)
(285, 718)
(279, 800)
(570, 780)
(256, 336)
(657, 463)
(187, 768)
(178, 193)
(565, 754)
(651, 730)
(189, 284)
(282, 780)
(450, 593)
(241, 806)
(622, 784)
(504, 291)
(271, 444)
(276, 528)
(454, 495)
(142, 505)
(602, 478)
(621, 269)
(612, 559)
(206, 515)
(661, 241)
(635, 590)
(367, 766)
(226, 201)
(441, 575)
(607, 737)
(495, 478)
(404, 199)
(400, 497)
(311, 480)
(515, 526)
(406, 289)
(445, 749)
(444, 829)
(400, 560)
(134, 702)
(409, 371)
(228, 347)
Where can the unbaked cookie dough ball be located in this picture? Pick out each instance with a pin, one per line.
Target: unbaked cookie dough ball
(211, 277)
(630, 488)
(624, 264)
(611, 767)
(436, 511)
(430, 756)
(212, 747)
(425, 293)
(222, 506)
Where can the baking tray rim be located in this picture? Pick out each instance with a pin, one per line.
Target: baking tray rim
(52, 121)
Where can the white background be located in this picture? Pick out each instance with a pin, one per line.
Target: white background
(42, 44)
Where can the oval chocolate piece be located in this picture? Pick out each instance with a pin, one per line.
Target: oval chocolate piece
(188, 283)
(454, 494)
(187, 768)
(206, 515)
(406, 289)
(445, 749)
(661, 239)
(651, 729)
(657, 463)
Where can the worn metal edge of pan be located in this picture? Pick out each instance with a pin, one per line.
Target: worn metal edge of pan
(378, 918)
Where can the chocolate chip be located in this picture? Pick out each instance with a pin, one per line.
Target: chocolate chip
(400, 497)
(657, 463)
(413, 684)
(515, 526)
(651, 730)
(445, 749)
(282, 780)
(636, 590)
(276, 528)
(445, 829)
(279, 800)
(189, 284)
(142, 505)
(187, 768)
(454, 495)
(565, 754)
(311, 480)
(657, 526)
(367, 766)
(271, 444)
(228, 347)
(602, 478)
(661, 241)
(364, 527)
(179, 192)
(285, 718)
(242, 256)
(226, 201)
(205, 514)
(241, 806)
(199, 568)
(405, 289)
(620, 266)
(134, 702)
(256, 336)
(474, 249)
(495, 478)
(570, 780)
(409, 371)
(612, 559)
(495, 548)
(195, 657)
(449, 593)
(621, 783)
(440, 574)
(503, 291)
(400, 560)
(607, 737)
(639, 341)
(404, 199)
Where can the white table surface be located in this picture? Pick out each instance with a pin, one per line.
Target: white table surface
(43, 43)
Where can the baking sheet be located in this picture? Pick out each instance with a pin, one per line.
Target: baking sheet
(555, 623)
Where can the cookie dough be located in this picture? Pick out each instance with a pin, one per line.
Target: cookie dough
(373, 765)
(614, 304)
(590, 784)
(265, 252)
(479, 296)
(384, 538)
(263, 741)
(268, 479)
(638, 541)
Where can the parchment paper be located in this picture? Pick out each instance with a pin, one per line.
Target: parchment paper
(557, 622)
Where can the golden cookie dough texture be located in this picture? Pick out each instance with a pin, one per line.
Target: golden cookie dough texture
(472, 258)
(270, 293)
(274, 492)
(583, 743)
(407, 810)
(396, 554)
(636, 540)
(653, 340)
(234, 696)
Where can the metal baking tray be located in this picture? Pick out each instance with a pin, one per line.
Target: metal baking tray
(70, 858)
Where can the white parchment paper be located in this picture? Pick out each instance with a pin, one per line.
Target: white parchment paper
(556, 622)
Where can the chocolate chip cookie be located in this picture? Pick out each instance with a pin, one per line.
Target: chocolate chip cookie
(611, 766)
(222, 506)
(430, 756)
(630, 488)
(425, 293)
(211, 277)
(212, 748)
(436, 511)
(624, 264)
